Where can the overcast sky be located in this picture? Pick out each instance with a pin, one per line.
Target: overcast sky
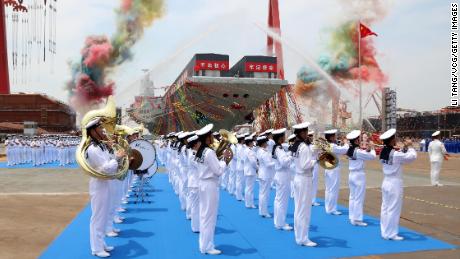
(413, 42)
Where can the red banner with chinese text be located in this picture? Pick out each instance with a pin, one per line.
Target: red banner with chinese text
(260, 67)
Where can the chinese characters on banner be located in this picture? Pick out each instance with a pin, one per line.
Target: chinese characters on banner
(211, 65)
(260, 67)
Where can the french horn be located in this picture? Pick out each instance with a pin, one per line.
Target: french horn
(327, 159)
(228, 138)
(107, 117)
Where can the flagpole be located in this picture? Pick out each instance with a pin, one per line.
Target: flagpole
(359, 77)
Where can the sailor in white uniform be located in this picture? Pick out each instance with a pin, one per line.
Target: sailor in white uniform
(332, 177)
(209, 171)
(250, 172)
(182, 162)
(314, 188)
(304, 160)
(232, 171)
(239, 182)
(100, 158)
(392, 185)
(265, 175)
(436, 151)
(357, 177)
(282, 180)
(8, 149)
(290, 141)
(193, 183)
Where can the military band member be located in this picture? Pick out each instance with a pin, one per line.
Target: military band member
(265, 175)
(357, 177)
(250, 169)
(392, 185)
(193, 183)
(182, 164)
(314, 188)
(304, 160)
(239, 183)
(332, 177)
(99, 157)
(232, 171)
(282, 180)
(209, 171)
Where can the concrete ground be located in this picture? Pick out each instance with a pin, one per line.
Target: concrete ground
(37, 204)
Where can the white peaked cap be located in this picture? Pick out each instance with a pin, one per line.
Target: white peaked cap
(205, 130)
(279, 131)
(302, 125)
(93, 122)
(261, 138)
(193, 138)
(388, 134)
(331, 131)
(353, 134)
(268, 131)
(183, 135)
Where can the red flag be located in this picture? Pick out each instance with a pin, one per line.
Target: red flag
(365, 31)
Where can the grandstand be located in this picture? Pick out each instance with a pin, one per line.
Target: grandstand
(423, 124)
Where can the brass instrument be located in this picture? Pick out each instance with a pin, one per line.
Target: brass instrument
(326, 158)
(107, 117)
(228, 138)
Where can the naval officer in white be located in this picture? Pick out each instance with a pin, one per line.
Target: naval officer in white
(437, 151)
(304, 160)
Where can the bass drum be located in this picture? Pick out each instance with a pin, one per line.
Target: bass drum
(148, 152)
(152, 170)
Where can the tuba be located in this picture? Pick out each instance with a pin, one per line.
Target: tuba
(326, 158)
(228, 138)
(107, 116)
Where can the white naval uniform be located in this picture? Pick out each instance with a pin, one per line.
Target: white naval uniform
(266, 170)
(239, 172)
(357, 183)
(392, 191)
(175, 170)
(282, 182)
(8, 152)
(305, 160)
(332, 181)
(183, 190)
(436, 150)
(250, 174)
(101, 160)
(193, 197)
(115, 188)
(232, 172)
(60, 147)
(209, 171)
(314, 188)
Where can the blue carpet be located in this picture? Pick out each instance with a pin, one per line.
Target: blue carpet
(50, 165)
(160, 230)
